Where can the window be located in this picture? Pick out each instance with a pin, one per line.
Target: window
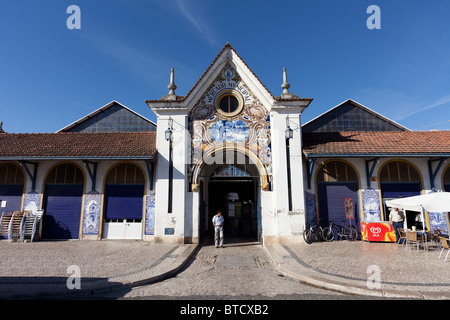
(11, 174)
(399, 171)
(125, 173)
(336, 171)
(229, 103)
(65, 174)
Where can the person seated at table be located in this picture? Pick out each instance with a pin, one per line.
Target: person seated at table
(418, 222)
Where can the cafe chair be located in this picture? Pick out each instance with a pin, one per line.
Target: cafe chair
(411, 237)
(402, 236)
(435, 238)
(444, 243)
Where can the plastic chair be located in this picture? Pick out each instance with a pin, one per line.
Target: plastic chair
(444, 246)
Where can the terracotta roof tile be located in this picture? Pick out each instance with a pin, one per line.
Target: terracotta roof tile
(78, 145)
(373, 143)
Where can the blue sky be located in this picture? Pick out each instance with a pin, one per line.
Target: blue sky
(51, 76)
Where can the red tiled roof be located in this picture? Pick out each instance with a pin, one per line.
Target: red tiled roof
(78, 145)
(386, 143)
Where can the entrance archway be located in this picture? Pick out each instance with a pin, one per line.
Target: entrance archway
(63, 198)
(337, 182)
(123, 202)
(400, 179)
(232, 187)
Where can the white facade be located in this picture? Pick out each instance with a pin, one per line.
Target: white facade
(266, 118)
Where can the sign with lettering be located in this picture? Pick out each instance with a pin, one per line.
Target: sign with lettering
(218, 87)
(348, 208)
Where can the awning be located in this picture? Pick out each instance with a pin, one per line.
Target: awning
(432, 202)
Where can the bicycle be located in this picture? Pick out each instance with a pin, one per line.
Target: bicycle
(343, 232)
(315, 232)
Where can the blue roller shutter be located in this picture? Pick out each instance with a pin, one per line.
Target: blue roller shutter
(62, 204)
(331, 198)
(12, 194)
(400, 190)
(124, 201)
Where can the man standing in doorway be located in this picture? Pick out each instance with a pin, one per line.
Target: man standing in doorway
(218, 229)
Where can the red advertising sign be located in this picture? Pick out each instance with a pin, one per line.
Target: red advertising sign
(348, 208)
(378, 231)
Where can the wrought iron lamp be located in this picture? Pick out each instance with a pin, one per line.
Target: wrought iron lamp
(288, 133)
(169, 132)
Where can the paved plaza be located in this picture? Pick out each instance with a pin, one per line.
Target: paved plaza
(136, 269)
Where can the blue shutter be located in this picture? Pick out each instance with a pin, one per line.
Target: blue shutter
(400, 190)
(12, 194)
(62, 204)
(332, 202)
(124, 201)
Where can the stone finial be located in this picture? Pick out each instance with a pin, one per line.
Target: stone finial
(285, 86)
(171, 87)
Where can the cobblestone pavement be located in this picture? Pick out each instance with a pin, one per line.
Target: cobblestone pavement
(353, 262)
(96, 259)
(237, 271)
(40, 269)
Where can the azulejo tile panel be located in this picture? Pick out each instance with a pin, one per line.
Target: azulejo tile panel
(91, 217)
(249, 129)
(32, 202)
(150, 214)
(371, 205)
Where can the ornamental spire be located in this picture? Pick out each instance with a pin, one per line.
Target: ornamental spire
(285, 86)
(171, 87)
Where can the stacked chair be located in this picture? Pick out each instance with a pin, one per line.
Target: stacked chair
(21, 226)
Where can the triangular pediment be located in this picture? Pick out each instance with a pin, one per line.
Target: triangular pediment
(112, 117)
(351, 116)
(228, 59)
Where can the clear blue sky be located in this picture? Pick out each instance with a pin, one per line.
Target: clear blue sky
(51, 76)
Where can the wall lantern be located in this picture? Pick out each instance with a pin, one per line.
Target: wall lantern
(289, 133)
(168, 132)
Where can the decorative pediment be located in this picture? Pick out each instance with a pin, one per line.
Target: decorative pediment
(229, 67)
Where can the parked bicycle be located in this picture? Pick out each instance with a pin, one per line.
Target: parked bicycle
(342, 231)
(315, 232)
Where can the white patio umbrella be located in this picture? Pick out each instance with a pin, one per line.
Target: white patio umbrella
(432, 202)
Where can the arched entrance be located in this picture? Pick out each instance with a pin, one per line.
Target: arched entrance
(400, 179)
(12, 182)
(123, 202)
(233, 187)
(336, 183)
(63, 199)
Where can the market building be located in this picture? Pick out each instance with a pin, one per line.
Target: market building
(229, 144)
